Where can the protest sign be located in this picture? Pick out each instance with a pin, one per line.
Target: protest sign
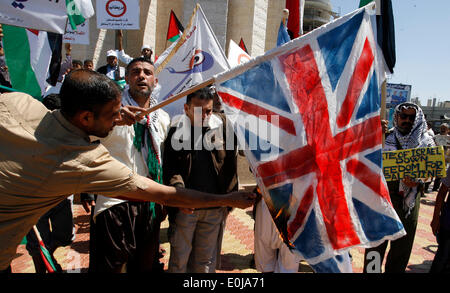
(118, 14)
(414, 163)
(78, 36)
(397, 94)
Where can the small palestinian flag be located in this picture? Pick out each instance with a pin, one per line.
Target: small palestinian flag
(45, 254)
(33, 58)
(175, 28)
(242, 45)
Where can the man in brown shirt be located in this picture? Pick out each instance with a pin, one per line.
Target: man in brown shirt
(46, 156)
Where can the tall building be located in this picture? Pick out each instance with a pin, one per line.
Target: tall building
(317, 13)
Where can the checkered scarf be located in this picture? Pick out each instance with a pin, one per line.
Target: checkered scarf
(416, 138)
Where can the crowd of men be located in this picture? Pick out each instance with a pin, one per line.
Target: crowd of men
(89, 137)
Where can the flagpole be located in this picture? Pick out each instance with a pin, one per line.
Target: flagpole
(383, 106)
(8, 89)
(178, 96)
(48, 262)
(179, 43)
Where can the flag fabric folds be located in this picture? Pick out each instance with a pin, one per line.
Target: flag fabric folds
(283, 35)
(236, 55)
(175, 29)
(78, 11)
(385, 30)
(192, 59)
(295, 20)
(33, 58)
(242, 46)
(37, 14)
(307, 115)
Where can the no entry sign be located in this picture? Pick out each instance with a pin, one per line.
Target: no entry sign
(118, 14)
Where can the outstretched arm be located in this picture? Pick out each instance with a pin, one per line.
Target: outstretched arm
(121, 53)
(149, 190)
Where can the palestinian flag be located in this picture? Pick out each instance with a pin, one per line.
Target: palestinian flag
(385, 30)
(33, 58)
(78, 11)
(242, 45)
(175, 29)
(45, 254)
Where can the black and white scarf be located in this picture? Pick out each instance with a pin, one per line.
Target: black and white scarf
(418, 137)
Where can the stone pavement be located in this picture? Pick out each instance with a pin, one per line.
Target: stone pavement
(237, 249)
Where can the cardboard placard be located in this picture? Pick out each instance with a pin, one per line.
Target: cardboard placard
(414, 163)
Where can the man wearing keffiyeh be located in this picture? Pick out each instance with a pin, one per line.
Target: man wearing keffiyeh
(126, 234)
(410, 131)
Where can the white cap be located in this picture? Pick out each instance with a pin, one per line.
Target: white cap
(111, 53)
(146, 47)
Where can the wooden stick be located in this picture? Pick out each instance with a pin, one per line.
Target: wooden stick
(178, 96)
(383, 105)
(38, 235)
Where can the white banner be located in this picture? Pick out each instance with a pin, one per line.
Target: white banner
(236, 55)
(44, 15)
(196, 57)
(79, 36)
(118, 14)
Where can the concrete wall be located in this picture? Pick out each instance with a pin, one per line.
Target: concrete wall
(274, 17)
(216, 12)
(240, 22)
(255, 21)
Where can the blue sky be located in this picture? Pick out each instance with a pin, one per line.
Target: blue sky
(422, 40)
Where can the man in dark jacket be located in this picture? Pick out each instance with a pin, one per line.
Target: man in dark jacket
(196, 156)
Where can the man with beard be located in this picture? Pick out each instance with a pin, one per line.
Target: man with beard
(47, 156)
(410, 131)
(125, 235)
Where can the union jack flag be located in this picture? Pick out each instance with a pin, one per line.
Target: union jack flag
(319, 164)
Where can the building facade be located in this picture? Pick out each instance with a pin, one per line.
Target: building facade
(255, 21)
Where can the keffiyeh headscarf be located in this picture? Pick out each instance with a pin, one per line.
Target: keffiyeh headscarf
(145, 141)
(418, 137)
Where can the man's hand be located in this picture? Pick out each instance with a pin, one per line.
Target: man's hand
(68, 48)
(130, 115)
(119, 39)
(384, 125)
(241, 199)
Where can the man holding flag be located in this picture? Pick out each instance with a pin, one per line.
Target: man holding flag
(46, 156)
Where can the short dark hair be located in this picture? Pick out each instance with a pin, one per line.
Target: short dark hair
(88, 61)
(52, 101)
(202, 94)
(138, 59)
(78, 62)
(86, 90)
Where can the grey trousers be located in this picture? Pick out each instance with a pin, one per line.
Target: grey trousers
(193, 241)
